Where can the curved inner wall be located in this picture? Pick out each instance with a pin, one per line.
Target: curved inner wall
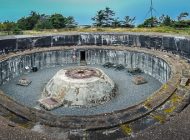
(154, 66)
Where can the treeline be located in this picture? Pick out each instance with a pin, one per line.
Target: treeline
(165, 20)
(38, 21)
(106, 18)
(103, 18)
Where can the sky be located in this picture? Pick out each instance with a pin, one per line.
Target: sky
(84, 10)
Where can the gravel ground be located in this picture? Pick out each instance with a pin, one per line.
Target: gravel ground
(129, 93)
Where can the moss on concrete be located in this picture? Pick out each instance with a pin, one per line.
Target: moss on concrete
(170, 110)
(126, 128)
(175, 98)
(160, 118)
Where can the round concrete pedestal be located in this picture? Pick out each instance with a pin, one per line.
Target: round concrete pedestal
(78, 86)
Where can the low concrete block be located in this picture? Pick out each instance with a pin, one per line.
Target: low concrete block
(139, 80)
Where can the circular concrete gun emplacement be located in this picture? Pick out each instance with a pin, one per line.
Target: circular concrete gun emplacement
(145, 81)
(78, 86)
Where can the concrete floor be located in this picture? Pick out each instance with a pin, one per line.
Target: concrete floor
(129, 93)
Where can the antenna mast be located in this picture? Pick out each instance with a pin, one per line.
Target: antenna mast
(150, 11)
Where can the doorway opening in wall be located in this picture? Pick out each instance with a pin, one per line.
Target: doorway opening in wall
(82, 57)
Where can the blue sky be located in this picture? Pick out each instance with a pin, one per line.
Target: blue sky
(83, 10)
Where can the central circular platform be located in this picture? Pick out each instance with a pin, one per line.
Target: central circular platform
(78, 86)
(82, 72)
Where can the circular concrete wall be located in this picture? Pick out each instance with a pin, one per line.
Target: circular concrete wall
(150, 64)
(158, 64)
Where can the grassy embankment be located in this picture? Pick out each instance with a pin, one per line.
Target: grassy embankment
(168, 30)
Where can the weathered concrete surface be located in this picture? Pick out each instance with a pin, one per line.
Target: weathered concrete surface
(11, 131)
(176, 129)
(176, 44)
(101, 120)
(13, 66)
(78, 86)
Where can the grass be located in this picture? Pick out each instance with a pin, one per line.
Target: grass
(2, 33)
(168, 30)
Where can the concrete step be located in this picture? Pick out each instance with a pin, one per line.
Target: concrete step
(83, 63)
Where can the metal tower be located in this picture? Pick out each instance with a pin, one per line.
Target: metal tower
(150, 11)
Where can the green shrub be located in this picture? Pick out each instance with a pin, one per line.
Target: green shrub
(17, 31)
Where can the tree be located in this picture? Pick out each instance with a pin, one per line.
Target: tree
(44, 23)
(28, 23)
(37, 21)
(104, 18)
(99, 18)
(16, 30)
(33, 19)
(70, 22)
(58, 21)
(166, 20)
(161, 18)
(150, 22)
(182, 16)
(116, 23)
(2, 27)
(23, 24)
(8, 26)
(182, 24)
(128, 21)
(108, 14)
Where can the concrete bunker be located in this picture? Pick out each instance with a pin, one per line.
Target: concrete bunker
(10, 70)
